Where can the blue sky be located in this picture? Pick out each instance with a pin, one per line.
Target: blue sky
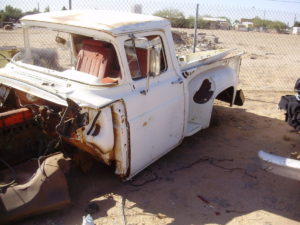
(283, 10)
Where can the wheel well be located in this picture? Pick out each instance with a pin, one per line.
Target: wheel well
(226, 95)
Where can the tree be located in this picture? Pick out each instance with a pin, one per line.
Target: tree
(169, 13)
(175, 16)
(47, 9)
(190, 21)
(226, 18)
(2, 16)
(258, 22)
(202, 24)
(277, 25)
(297, 24)
(10, 13)
(269, 24)
(63, 8)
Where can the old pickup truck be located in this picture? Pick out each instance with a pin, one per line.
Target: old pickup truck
(105, 83)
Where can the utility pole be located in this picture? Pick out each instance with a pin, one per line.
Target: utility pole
(70, 4)
(196, 26)
(264, 18)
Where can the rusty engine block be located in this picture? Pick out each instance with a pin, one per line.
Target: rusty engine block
(21, 136)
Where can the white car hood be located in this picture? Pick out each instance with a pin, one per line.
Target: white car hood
(55, 87)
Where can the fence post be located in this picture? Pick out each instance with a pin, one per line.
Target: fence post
(70, 4)
(195, 27)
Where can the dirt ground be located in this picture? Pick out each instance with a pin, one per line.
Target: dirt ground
(271, 61)
(214, 176)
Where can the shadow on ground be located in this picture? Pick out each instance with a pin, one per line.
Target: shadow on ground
(212, 177)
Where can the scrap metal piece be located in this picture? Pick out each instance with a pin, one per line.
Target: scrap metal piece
(282, 166)
(40, 187)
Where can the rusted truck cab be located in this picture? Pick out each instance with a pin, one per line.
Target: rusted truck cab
(109, 84)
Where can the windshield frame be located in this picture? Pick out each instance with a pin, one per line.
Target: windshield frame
(26, 63)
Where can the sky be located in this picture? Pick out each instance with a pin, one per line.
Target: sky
(283, 10)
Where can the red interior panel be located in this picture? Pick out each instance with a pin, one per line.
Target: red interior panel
(95, 58)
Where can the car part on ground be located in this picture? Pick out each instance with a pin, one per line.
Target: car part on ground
(279, 165)
(40, 186)
(282, 166)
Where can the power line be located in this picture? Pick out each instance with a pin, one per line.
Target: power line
(286, 1)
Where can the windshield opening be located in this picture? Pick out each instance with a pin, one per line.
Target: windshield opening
(61, 51)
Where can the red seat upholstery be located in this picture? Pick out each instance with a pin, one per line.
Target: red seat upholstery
(135, 68)
(143, 58)
(95, 58)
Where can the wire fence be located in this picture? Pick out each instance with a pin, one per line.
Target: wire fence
(271, 59)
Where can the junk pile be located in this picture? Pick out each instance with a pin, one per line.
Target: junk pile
(184, 42)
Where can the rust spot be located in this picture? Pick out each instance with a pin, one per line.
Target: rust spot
(66, 18)
(204, 93)
(96, 130)
(145, 124)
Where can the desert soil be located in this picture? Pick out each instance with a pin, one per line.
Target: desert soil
(214, 176)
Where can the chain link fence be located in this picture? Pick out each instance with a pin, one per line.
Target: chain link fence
(271, 59)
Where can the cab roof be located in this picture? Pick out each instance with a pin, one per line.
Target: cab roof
(100, 20)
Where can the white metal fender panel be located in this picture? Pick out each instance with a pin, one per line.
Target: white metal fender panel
(106, 136)
(101, 134)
